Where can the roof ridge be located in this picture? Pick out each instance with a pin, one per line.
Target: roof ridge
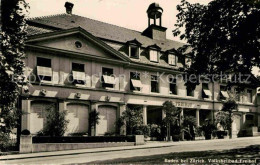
(46, 16)
(107, 23)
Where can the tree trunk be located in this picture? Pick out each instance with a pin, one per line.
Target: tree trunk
(168, 132)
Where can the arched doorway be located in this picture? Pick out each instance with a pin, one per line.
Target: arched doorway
(107, 119)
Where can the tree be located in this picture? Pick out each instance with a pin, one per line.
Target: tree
(224, 117)
(172, 116)
(188, 125)
(133, 118)
(93, 119)
(56, 123)
(225, 35)
(12, 54)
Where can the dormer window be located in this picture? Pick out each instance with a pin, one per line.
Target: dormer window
(172, 59)
(181, 60)
(133, 48)
(154, 55)
(134, 51)
(154, 52)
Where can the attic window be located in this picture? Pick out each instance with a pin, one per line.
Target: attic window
(134, 52)
(154, 55)
(78, 44)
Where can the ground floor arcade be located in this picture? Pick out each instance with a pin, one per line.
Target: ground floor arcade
(79, 103)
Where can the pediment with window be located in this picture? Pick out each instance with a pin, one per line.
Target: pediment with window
(76, 41)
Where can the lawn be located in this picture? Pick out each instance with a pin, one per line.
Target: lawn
(250, 153)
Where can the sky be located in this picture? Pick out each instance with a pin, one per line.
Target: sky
(125, 13)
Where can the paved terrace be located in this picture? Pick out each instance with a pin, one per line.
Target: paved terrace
(150, 148)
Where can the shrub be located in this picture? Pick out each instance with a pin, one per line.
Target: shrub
(55, 124)
(142, 130)
(133, 118)
(155, 130)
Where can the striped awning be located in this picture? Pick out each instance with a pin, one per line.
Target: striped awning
(109, 79)
(79, 75)
(224, 94)
(44, 71)
(207, 92)
(136, 83)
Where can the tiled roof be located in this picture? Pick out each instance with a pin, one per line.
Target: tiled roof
(96, 28)
(32, 30)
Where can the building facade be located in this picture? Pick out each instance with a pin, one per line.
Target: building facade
(79, 65)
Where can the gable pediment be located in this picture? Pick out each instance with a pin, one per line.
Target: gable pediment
(76, 40)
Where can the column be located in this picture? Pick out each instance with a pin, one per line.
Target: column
(62, 106)
(198, 117)
(243, 118)
(145, 114)
(213, 115)
(182, 116)
(26, 107)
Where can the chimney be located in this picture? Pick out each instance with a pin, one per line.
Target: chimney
(69, 7)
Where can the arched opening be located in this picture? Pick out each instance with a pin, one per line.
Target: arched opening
(78, 115)
(107, 119)
(37, 115)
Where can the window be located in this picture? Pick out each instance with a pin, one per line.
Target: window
(154, 84)
(173, 86)
(223, 93)
(44, 70)
(78, 67)
(154, 55)
(190, 91)
(172, 59)
(237, 94)
(135, 84)
(206, 93)
(78, 73)
(44, 62)
(249, 96)
(134, 52)
(78, 44)
(108, 79)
